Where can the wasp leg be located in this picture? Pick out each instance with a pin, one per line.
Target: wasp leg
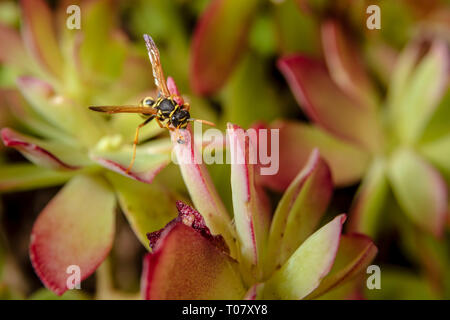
(180, 138)
(159, 123)
(187, 106)
(136, 137)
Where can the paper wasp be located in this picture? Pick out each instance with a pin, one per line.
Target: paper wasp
(168, 109)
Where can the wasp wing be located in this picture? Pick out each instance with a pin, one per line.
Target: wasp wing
(124, 109)
(158, 74)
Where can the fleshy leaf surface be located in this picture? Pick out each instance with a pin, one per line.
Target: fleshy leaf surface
(420, 190)
(326, 104)
(12, 52)
(40, 35)
(201, 189)
(147, 207)
(367, 208)
(345, 64)
(186, 265)
(309, 264)
(151, 158)
(76, 228)
(217, 43)
(48, 154)
(417, 95)
(18, 177)
(347, 162)
(299, 211)
(355, 252)
(251, 219)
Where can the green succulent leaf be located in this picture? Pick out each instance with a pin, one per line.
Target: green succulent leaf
(417, 90)
(369, 202)
(201, 189)
(355, 253)
(76, 228)
(60, 111)
(438, 152)
(148, 207)
(151, 157)
(12, 52)
(299, 211)
(217, 44)
(251, 219)
(309, 264)
(40, 36)
(398, 284)
(419, 189)
(19, 177)
(49, 154)
(345, 64)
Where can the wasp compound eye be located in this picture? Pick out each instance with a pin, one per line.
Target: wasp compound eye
(147, 102)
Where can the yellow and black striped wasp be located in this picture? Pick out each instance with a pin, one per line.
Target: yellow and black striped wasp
(168, 109)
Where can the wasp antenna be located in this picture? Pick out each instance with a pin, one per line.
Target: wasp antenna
(209, 123)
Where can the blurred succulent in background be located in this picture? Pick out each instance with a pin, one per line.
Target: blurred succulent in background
(59, 73)
(400, 145)
(386, 145)
(204, 255)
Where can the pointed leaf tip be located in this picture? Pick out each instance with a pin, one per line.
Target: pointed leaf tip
(309, 264)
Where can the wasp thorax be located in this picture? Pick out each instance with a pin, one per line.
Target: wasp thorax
(179, 118)
(166, 106)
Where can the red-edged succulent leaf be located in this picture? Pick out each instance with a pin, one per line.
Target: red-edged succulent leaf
(417, 89)
(134, 199)
(187, 265)
(347, 162)
(76, 228)
(420, 190)
(43, 153)
(251, 218)
(345, 64)
(18, 177)
(40, 36)
(355, 252)
(26, 116)
(309, 264)
(299, 211)
(255, 292)
(327, 104)
(201, 189)
(218, 41)
(369, 201)
(60, 111)
(151, 158)
(13, 52)
(191, 218)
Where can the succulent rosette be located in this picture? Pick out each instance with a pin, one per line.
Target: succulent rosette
(59, 72)
(399, 144)
(206, 254)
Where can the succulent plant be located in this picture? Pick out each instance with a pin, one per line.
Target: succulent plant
(401, 143)
(58, 76)
(205, 254)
